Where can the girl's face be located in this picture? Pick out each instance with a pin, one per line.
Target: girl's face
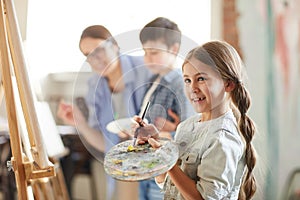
(100, 53)
(205, 89)
(158, 58)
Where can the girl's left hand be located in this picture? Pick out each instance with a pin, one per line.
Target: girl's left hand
(154, 143)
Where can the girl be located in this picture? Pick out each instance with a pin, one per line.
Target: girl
(216, 158)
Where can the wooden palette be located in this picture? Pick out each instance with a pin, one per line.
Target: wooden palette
(127, 163)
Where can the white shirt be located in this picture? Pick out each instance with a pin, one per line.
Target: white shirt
(212, 154)
(148, 94)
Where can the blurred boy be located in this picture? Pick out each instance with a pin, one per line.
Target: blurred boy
(161, 40)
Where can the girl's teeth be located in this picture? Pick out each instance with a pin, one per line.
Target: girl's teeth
(199, 99)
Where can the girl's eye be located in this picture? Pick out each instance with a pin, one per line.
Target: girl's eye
(201, 78)
(187, 80)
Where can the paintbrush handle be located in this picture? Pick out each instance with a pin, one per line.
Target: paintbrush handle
(140, 123)
(146, 109)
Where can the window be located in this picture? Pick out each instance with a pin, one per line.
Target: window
(54, 27)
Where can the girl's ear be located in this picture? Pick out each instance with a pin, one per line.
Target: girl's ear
(229, 86)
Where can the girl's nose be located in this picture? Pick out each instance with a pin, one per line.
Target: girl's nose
(192, 89)
(195, 88)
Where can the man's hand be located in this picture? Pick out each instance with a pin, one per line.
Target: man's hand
(70, 114)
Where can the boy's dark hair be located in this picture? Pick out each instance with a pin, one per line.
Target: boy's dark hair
(161, 29)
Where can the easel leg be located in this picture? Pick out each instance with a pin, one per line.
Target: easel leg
(1, 92)
(58, 182)
(26, 172)
(10, 106)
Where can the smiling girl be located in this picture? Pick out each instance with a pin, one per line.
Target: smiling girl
(216, 156)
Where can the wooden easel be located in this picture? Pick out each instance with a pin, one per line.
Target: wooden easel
(35, 170)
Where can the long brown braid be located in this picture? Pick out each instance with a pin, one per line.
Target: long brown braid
(224, 59)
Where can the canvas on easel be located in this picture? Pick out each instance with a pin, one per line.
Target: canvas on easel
(31, 166)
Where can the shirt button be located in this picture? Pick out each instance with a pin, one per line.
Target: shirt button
(183, 144)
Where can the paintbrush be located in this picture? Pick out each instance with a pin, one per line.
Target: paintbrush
(140, 123)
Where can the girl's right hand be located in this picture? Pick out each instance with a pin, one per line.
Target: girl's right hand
(144, 131)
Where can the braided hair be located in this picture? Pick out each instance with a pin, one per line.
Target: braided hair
(225, 59)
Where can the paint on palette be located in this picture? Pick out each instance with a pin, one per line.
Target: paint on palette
(127, 163)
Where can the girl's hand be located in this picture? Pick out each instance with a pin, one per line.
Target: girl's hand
(154, 143)
(144, 131)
